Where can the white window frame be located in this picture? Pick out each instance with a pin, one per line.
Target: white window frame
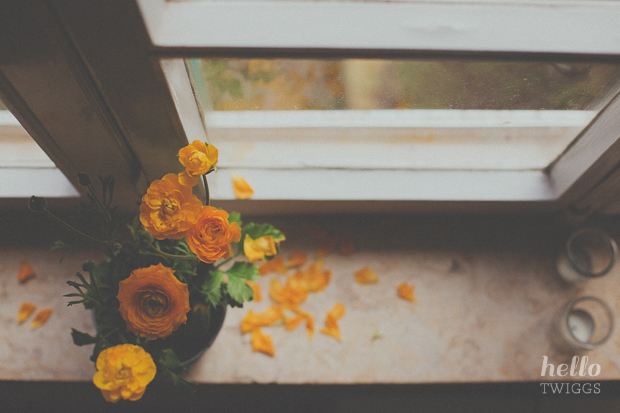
(95, 49)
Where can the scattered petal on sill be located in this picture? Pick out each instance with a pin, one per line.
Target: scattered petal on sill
(252, 320)
(25, 310)
(309, 321)
(242, 189)
(262, 342)
(41, 318)
(406, 291)
(347, 245)
(26, 272)
(315, 278)
(291, 323)
(366, 276)
(295, 291)
(258, 296)
(298, 258)
(331, 321)
(274, 265)
(326, 247)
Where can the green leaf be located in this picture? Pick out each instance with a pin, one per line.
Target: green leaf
(59, 245)
(256, 231)
(235, 217)
(170, 360)
(237, 289)
(211, 288)
(82, 339)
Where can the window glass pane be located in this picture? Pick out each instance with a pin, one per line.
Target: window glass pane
(442, 114)
(259, 84)
(25, 169)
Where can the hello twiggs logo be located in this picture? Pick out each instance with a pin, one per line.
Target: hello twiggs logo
(578, 368)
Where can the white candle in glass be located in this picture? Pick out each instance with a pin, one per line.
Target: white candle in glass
(581, 325)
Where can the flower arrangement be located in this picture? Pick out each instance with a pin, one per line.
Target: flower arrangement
(160, 297)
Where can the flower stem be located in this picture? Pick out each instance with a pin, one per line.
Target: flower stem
(172, 256)
(207, 197)
(227, 260)
(75, 230)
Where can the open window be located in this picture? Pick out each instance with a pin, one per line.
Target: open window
(354, 106)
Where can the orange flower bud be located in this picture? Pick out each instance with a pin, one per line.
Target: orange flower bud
(198, 158)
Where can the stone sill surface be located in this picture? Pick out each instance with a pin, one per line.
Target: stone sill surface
(487, 292)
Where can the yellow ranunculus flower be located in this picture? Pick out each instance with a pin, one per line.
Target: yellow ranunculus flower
(198, 158)
(169, 209)
(124, 371)
(259, 248)
(153, 301)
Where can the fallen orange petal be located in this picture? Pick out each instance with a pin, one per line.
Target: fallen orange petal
(26, 272)
(262, 342)
(315, 278)
(338, 311)
(298, 258)
(295, 291)
(366, 276)
(331, 321)
(41, 318)
(309, 320)
(252, 320)
(274, 265)
(258, 296)
(276, 291)
(406, 291)
(242, 189)
(25, 310)
(291, 323)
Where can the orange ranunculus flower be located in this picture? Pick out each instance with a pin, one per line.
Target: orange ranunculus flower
(124, 371)
(169, 209)
(198, 158)
(211, 236)
(153, 301)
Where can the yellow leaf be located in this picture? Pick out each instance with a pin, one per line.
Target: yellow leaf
(259, 248)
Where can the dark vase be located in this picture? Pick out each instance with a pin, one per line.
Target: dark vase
(190, 350)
